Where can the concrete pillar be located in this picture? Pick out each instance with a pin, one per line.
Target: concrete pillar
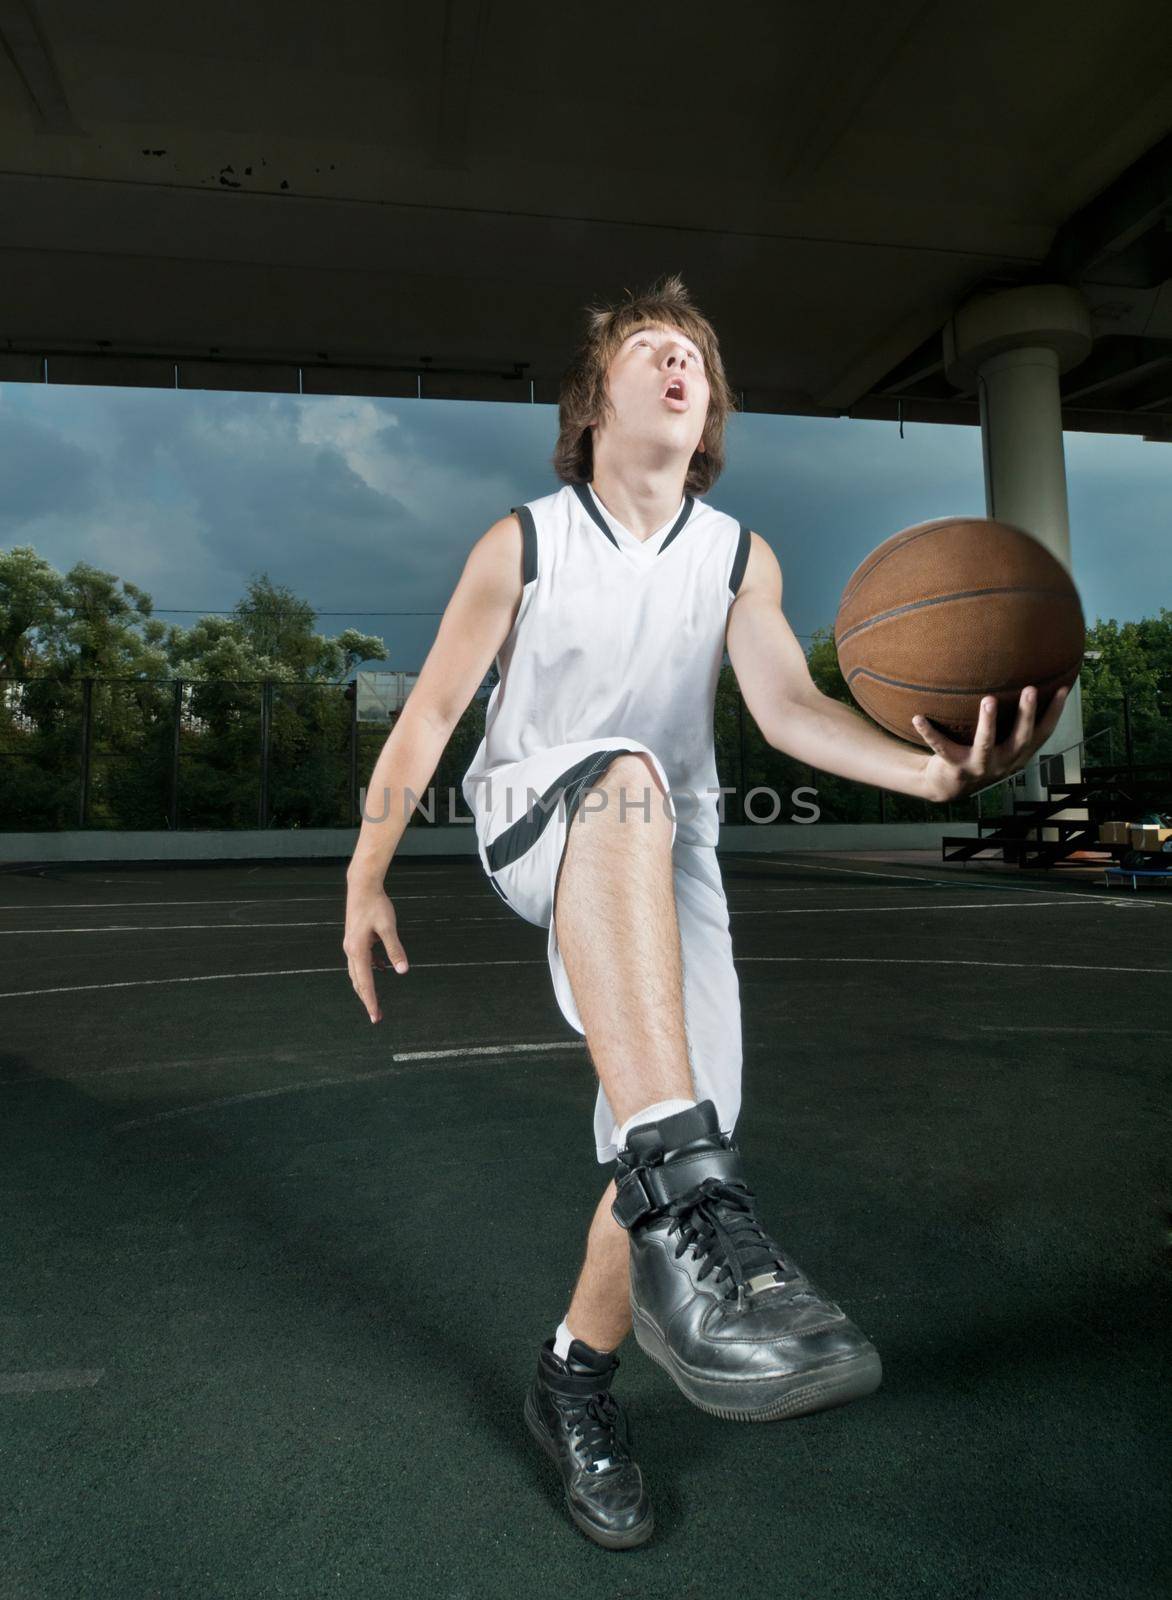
(1010, 346)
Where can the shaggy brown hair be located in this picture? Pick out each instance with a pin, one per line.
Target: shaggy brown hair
(584, 396)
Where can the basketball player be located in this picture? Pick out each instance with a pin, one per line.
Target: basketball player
(608, 606)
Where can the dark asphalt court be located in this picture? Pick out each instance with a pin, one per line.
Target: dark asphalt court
(273, 1279)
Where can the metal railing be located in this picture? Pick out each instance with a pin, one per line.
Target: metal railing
(176, 753)
(1081, 745)
(138, 753)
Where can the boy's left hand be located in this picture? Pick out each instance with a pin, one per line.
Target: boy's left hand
(957, 769)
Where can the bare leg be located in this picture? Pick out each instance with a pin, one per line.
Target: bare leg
(600, 1311)
(616, 925)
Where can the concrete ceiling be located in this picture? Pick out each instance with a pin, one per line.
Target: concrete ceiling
(400, 198)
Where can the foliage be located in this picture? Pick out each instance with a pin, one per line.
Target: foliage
(1135, 660)
(206, 692)
(86, 635)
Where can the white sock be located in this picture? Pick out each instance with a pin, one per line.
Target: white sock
(562, 1339)
(661, 1108)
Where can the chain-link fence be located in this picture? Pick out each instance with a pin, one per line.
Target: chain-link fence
(132, 753)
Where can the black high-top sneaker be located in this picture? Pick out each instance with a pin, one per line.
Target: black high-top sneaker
(738, 1325)
(580, 1424)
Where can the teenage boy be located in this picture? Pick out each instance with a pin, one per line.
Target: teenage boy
(608, 606)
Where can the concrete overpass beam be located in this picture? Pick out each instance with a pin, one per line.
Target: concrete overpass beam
(1011, 346)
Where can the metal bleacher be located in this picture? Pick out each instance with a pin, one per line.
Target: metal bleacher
(1105, 794)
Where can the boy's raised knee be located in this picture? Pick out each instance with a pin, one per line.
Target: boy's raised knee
(632, 784)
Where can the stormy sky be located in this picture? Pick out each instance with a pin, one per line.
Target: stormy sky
(370, 506)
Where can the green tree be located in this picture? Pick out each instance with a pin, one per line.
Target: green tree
(841, 799)
(1135, 659)
(63, 631)
(269, 637)
(89, 638)
(85, 624)
(269, 634)
(822, 659)
(31, 595)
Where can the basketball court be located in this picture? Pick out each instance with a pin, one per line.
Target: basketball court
(249, 1348)
(275, 1279)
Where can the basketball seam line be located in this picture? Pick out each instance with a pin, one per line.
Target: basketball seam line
(960, 594)
(933, 688)
(921, 531)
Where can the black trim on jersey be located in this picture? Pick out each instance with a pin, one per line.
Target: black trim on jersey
(741, 561)
(680, 520)
(592, 511)
(585, 495)
(528, 541)
(521, 835)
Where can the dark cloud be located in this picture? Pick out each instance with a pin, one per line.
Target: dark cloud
(368, 505)
(42, 473)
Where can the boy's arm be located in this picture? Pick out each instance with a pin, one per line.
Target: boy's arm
(476, 623)
(794, 716)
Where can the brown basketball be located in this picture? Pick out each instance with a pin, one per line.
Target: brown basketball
(952, 610)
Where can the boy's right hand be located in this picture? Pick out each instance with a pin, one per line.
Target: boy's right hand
(370, 918)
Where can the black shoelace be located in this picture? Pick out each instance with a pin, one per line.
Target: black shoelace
(717, 1219)
(594, 1423)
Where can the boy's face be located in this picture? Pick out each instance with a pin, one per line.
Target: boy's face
(648, 362)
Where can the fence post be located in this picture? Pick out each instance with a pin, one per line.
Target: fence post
(741, 754)
(176, 723)
(265, 702)
(87, 703)
(1127, 736)
(353, 818)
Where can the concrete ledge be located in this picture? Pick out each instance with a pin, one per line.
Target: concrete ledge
(291, 844)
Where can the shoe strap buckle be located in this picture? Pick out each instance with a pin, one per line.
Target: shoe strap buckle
(632, 1199)
(652, 1188)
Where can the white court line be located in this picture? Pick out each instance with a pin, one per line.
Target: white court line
(333, 922)
(177, 927)
(294, 972)
(1008, 1027)
(262, 900)
(483, 1052)
(260, 1058)
(37, 1382)
(218, 977)
(355, 1077)
(120, 905)
(987, 887)
(238, 927)
(486, 1050)
(861, 911)
(1025, 967)
(943, 883)
(256, 900)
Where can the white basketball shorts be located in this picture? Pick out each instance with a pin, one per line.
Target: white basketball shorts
(521, 840)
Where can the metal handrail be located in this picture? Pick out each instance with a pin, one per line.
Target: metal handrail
(1079, 744)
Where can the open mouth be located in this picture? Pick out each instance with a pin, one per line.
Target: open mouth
(674, 397)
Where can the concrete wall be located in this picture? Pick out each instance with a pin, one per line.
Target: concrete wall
(283, 844)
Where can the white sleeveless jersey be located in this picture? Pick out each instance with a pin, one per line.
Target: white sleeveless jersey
(617, 636)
